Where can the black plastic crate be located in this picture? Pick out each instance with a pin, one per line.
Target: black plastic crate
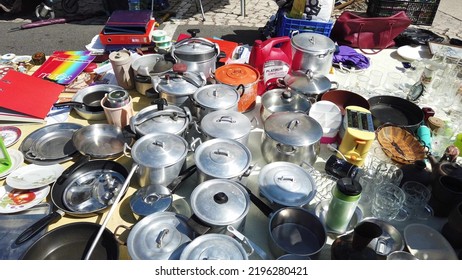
(421, 12)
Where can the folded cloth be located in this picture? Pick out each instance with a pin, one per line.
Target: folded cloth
(350, 58)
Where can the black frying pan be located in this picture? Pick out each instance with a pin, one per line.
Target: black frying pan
(90, 102)
(71, 242)
(76, 171)
(394, 110)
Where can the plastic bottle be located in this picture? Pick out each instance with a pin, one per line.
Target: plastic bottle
(134, 5)
(345, 197)
(271, 61)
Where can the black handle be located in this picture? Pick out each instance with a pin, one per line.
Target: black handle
(69, 103)
(160, 102)
(197, 225)
(193, 32)
(37, 227)
(265, 209)
(183, 176)
(128, 133)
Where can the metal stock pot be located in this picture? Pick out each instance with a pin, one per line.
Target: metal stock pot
(312, 51)
(160, 157)
(214, 97)
(283, 100)
(292, 137)
(226, 124)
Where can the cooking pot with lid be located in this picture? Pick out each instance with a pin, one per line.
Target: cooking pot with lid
(226, 124)
(146, 66)
(312, 51)
(309, 83)
(199, 54)
(214, 97)
(282, 100)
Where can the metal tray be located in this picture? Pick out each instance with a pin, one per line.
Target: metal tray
(50, 144)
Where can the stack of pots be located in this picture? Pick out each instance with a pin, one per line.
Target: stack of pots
(146, 66)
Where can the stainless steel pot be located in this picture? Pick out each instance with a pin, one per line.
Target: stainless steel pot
(286, 184)
(214, 97)
(222, 159)
(160, 157)
(227, 125)
(215, 246)
(309, 84)
(78, 97)
(161, 118)
(291, 137)
(312, 51)
(177, 88)
(159, 236)
(283, 100)
(219, 203)
(146, 66)
(200, 55)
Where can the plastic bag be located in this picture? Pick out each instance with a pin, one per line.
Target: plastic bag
(417, 36)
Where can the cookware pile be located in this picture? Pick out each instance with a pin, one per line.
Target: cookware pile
(196, 138)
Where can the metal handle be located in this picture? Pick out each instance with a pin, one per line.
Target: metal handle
(161, 237)
(221, 152)
(228, 119)
(280, 148)
(293, 124)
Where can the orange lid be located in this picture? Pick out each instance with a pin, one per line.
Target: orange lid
(236, 74)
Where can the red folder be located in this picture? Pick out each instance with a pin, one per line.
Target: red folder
(127, 38)
(26, 96)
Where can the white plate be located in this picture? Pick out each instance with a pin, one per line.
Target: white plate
(34, 176)
(426, 243)
(17, 158)
(410, 53)
(13, 200)
(22, 58)
(10, 135)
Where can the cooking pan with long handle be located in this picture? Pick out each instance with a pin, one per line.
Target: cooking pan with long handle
(387, 109)
(90, 102)
(77, 177)
(71, 242)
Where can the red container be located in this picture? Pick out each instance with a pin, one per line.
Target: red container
(272, 58)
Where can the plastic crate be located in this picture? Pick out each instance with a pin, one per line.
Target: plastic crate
(421, 12)
(288, 25)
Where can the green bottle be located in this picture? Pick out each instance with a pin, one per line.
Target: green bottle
(345, 198)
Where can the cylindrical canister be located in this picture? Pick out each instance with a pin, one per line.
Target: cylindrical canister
(345, 197)
(121, 64)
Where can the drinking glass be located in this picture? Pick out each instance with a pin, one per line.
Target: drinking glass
(417, 197)
(392, 83)
(388, 201)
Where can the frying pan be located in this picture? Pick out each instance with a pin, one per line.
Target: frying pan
(90, 102)
(386, 109)
(71, 241)
(69, 178)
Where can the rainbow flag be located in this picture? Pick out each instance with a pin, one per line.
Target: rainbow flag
(63, 67)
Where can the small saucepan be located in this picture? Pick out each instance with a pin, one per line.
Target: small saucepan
(90, 102)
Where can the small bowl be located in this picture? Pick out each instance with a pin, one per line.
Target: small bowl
(344, 98)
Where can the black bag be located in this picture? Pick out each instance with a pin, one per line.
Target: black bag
(417, 36)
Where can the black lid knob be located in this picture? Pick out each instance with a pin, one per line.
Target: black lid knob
(349, 186)
(220, 198)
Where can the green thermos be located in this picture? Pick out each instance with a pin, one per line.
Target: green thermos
(345, 198)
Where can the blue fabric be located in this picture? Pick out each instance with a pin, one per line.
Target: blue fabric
(350, 58)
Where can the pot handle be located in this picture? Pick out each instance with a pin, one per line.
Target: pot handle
(333, 85)
(247, 172)
(280, 149)
(248, 243)
(265, 209)
(197, 225)
(38, 226)
(192, 146)
(127, 150)
(116, 236)
(242, 87)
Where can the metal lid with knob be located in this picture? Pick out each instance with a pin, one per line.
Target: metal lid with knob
(216, 96)
(214, 246)
(226, 124)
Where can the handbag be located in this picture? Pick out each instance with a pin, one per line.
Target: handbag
(376, 33)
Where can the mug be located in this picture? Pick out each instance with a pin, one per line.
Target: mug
(388, 201)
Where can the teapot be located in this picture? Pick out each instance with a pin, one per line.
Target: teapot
(446, 165)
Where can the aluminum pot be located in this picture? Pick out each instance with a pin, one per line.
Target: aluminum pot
(160, 157)
(283, 100)
(219, 203)
(292, 137)
(312, 51)
(200, 55)
(286, 184)
(161, 118)
(159, 236)
(221, 158)
(215, 97)
(226, 124)
(146, 66)
(178, 88)
(215, 246)
(312, 85)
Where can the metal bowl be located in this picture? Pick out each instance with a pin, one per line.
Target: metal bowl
(78, 97)
(100, 141)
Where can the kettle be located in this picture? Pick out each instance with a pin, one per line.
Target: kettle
(446, 165)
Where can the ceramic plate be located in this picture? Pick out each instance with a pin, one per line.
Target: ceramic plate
(10, 135)
(34, 176)
(426, 243)
(410, 53)
(13, 200)
(17, 159)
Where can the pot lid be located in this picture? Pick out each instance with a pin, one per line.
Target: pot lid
(216, 96)
(220, 202)
(159, 236)
(307, 82)
(198, 48)
(226, 124)
(171, 119)
(236, 74)
(292, 128)
(286, 184)
(179, 85)
(283, 99)
(158, 150)
(222, 158)
(151, 199)
(214, 246)
(313, 43)
(151, 64)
